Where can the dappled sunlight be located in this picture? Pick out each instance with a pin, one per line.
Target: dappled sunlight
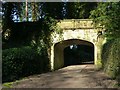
(75, 76)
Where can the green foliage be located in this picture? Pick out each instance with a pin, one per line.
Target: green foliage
(24, 61)
(107, 15)
(35, 33)
(53, 9)
(22, 34)
(35, 11)
(111, 58)
(8, 85)
(20, 61)
(79, 10)
(7, 16)
(49, 26)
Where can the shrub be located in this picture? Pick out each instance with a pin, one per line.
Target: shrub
(24, 61)
(111, 58)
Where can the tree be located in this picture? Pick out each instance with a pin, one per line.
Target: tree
(34, 11)
(107, 15)
(79, 10)
(7, 9)
(53, 9)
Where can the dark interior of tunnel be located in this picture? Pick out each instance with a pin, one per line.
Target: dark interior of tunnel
(78, 54)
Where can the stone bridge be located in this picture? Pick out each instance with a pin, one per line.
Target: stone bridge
(76, 32)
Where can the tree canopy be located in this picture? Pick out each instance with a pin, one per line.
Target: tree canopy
(57, 10)
(79, 10)
(43, 12)
(108, 15)
(105, 14)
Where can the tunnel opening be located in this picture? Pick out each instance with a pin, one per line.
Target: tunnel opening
(73, 52)
(78, 54)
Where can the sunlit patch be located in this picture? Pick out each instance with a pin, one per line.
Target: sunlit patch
(71, 46)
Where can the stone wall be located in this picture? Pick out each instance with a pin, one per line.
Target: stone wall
(80, 29)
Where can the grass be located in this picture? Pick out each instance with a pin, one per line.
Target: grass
(8, 85)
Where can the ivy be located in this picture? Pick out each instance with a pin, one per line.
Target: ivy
(107, 15)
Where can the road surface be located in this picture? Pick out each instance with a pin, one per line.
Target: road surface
(76, 76)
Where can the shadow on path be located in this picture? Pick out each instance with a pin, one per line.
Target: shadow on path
(77, 76)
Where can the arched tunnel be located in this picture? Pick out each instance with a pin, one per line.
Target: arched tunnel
(72, 52)
(78, 54)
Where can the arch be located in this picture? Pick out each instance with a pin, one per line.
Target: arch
(74, 41)
(59, 50)
(76, 31)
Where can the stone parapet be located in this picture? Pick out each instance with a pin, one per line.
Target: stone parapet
(76, 24)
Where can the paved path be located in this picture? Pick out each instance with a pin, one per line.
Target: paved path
(76, 76)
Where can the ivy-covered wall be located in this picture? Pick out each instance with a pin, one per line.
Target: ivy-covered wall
(111, 58)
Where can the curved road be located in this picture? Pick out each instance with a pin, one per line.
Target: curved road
(76, 76)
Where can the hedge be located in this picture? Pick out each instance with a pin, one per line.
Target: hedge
(24, 61)
(111, 58)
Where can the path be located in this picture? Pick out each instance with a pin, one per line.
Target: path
(77, 76)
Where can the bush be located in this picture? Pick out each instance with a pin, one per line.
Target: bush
(111, 58)
(24, 61)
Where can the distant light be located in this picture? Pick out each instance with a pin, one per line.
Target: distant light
(71, 46)
(75, 46)
(3, 1)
